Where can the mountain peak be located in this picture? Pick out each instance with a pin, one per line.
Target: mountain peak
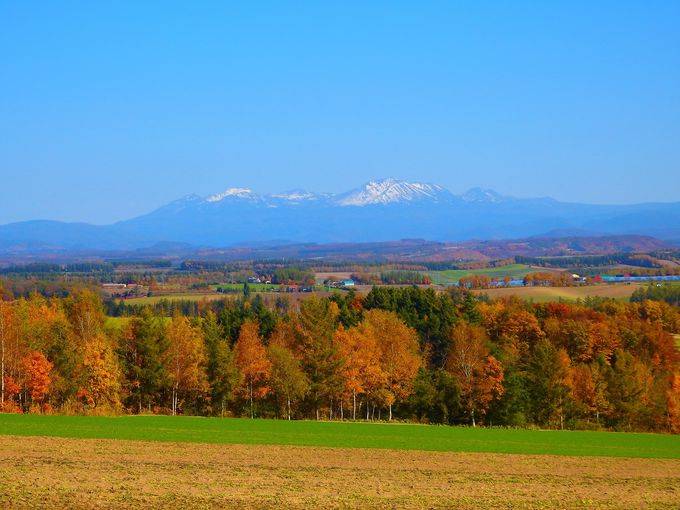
(232, 192)
(389, 190)
(296, 195)
(482, 195)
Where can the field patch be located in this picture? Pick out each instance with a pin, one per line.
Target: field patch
(620, 291)
(44, 472)
(152, 300)
(345, 434)
(452, 276)
(338, 275)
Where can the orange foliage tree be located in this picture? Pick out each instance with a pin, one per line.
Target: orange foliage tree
(361, 369)
(252, 361)
(478, 374)
(400, 356)
(37, 372)
(673, 404)
(6, 328)
(588, 387)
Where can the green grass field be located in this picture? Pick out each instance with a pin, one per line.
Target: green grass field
(174, 297)
(121, 322)
(344, 435)
(238, 287)
(117, 322)
(453, 275)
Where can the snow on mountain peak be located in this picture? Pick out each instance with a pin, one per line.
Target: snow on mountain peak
(231, 192)
(482, 195)
(389, 191)
(376, 192)
(296, 195)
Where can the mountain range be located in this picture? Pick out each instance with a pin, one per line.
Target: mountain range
(382, 210)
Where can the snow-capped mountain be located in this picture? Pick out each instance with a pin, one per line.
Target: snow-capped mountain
(381, 210)
(244, 193)
(297, 196)
(389, 191)
(482, 195)
(384, 191)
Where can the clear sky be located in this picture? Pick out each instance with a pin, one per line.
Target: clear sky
(111, 109)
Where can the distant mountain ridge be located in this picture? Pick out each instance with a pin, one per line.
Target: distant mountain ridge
(380, 210)
(385, 191)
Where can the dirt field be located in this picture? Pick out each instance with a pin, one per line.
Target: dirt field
(339, 275)
(540, 294)
(39, 472)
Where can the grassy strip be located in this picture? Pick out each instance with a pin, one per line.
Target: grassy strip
(453, 275)
(343, 434)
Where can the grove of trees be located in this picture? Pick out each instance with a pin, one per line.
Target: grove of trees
(396, 353)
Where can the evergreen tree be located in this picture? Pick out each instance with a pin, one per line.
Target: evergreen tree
(547, 377)
(144, 347)
(315, 326)
(223, 376)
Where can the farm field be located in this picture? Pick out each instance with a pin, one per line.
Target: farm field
(254, 287)
(213, 296)
(324, 275)
(46, 472)
(344, 434)
(453, 275)
(184, 471)
(174, 297)
(620, 291)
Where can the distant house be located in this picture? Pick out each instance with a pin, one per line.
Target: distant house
(348, 283)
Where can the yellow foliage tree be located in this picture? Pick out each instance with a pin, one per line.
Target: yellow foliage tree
(186, 361)
(102, 375)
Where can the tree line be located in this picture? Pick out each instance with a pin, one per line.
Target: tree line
(396, 353)
(392, 277)
(658, 292)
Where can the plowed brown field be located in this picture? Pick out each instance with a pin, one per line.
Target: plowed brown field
(41, 472)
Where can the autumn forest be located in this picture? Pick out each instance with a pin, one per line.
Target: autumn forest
(396, 353)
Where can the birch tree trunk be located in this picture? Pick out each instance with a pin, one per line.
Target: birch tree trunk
(250, 387)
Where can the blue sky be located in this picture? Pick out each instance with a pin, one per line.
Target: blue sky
(110, 109)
